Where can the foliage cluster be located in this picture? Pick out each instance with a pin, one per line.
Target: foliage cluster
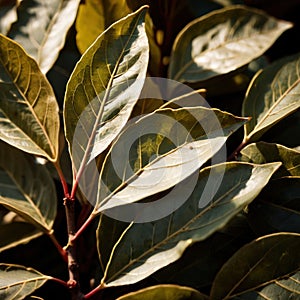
(71, 173)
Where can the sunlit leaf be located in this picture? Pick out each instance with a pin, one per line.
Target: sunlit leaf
(8, 15)
(165, 292)
(261, 153)
(16, 233)
(104, 87)
(17, 282)
(94, 16)
(258, 263)
(42, 27)
(286, 288)
(272, 96)
(159, 151)
(148, 247)
(277, 208)
(29, 117)
(207, 257)
(27, 188)
(222, 41)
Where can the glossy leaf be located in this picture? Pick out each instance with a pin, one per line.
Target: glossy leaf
(165, 292)
(272, 95)
(159, 151)
(278, 207)
(104, 87)
(162, 242)
(201, 262)
(94, 16)
(286, 288)
(8, 15)
(29, 117)
(261, 153)
(17, 282)
(16, 233)
(27, 188)
(221, 42)
(253, 265)
(42, 28)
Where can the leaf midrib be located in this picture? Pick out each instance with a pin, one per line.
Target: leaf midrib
(182, 229)
(189, 63)
(281, 98)
(26, 102)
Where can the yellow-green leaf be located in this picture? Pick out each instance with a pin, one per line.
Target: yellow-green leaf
(27, 188)
(272, 95)
(104, 88)
(222, 41)
(17, 282)
(94, 16)
(162, 242)
(29, 117)
(258, 263)
(42, 27)
(165, 292)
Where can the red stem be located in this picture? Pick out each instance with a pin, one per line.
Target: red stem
(83, 227)
(237, 150)
(60, 281)
(61, 251)
(62, 179)
(93, 292)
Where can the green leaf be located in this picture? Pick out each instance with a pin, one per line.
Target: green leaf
(162, 242)
(258, 263)
(272, 95)
(42, 28)
(27, 188)
(29, 117)
(159, 151)
(17, 282)
(287, 288)
(104, 87)
(165, 292)
(207, 257)
(261, 153)
(221, 42)
(277, 208)
(94, 16)
(16, 233)
(8, 15)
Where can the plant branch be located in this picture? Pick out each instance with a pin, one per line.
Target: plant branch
(73, 267)
(94, 291)
(83, 227)
(65, 284)
(61, 250)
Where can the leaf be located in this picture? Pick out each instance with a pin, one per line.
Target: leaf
(27, 188)
(8, 15)
(42, 28)
(94, 16)
(159, 151)
(162, 242)
(29, 117)
(287, 288)
(16, 233)
(221, 42)
(272, 95)
(258, 263)
(17, 282)
(165, 292)
(277, 208)
(261, 153)
(104, 87)
(200, 263)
